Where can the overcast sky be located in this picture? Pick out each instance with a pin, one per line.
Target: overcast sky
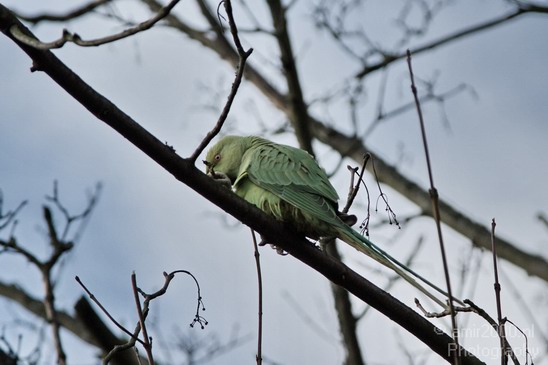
(489, 162)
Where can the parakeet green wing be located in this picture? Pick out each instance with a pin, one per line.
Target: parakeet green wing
(294, 176)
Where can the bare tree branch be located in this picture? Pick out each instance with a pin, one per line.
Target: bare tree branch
(243, 56)
(436, 209)
(299, 119)
(345, 316)
(274, 231)
(521, 9)
(75, 38)
(101, 334)
(298, 114)
(36, 307)
(59, 246)
(482, 313)
(8, 217)
(355, 148)
(86, 325)
(383, 116)
(479, 235)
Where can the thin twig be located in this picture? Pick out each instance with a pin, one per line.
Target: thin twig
(142, 310)
(383, 116)
(482, 313)
(71, 218)
(259, 356)
(526, 309)
(392, 218)
(521, 9)
(444, 313)
(364, 226)
(142, 317)
(70, 15)
(243, 55)
(76, 39)
(354, 190)
(105, 311)
(527, 353)
(435, 203)
(501, 332)
(10, 215)
(145, 308)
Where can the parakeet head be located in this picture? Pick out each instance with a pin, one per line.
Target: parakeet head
(225, 156)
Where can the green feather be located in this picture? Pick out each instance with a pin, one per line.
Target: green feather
(288, 183)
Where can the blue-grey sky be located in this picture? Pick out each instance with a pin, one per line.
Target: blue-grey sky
(489, 163)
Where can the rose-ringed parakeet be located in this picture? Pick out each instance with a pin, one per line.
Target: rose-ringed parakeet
(288, 183)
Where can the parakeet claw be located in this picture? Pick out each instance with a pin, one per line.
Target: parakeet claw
(348, 219)
(221, 178)
(274, 247)
(280, 251)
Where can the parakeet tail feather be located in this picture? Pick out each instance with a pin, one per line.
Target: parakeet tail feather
(367, 247)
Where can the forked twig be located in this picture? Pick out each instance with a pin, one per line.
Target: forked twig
(105, 311)
(435, 203)
(353, 191)
(473, 308)
(526, 309)
(364, 226)
(83, 217)
(76, 39)
(60, 246)
(143, 309)
(482, 313)
(391, 214)
(147, 341)
(355, 187)
(10, 215)
(527, 353)
(446, 312)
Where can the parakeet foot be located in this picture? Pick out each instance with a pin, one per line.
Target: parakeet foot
(348, 219)
(221, 178)
(273, 246)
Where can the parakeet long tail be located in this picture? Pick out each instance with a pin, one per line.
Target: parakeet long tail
(367, 247)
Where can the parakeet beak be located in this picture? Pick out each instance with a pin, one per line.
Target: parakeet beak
(209, 167)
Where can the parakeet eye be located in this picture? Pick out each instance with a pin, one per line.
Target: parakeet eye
(217, 157)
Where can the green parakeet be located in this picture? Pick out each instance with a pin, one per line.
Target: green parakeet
(288, 183)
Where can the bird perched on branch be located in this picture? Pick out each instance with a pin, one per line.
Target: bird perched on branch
(287, 183)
